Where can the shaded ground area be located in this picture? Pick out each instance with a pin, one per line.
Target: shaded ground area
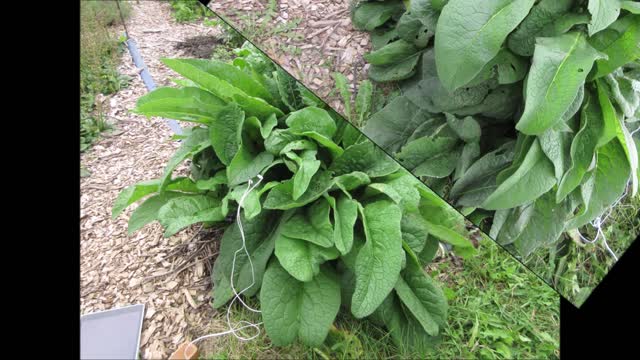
(170, 276)
(309, 38)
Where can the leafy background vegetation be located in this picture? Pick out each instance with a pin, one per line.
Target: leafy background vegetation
(463, 106)
(99, 56)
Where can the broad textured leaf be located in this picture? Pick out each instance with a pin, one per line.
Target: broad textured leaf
(246, 165)
(470, 153)
(183, 211)
(418, 24)
(391, 53)
(225, 132)
(196, 142)
(406, 332)
(301, 258)
(583, 146)
(424, 299)
(470, 34)
(414, 230)
(136, 192)
(198, 74)
(556, 145)
(298, 310)
(279, 139)
(390, 127)
(467, 129)
(312, 119)
(370, 15)
(148, 210)
(560, 67)
(281, 196)
(448, 235)
(186, 104)
(395, 72)
(434, 157)
(259, 238)
(606, 184)
(364, 157)
(603, 13)
(538, 224)
(631, 6)
(311, 224)
(378, 262)
(534, 177)
(302, 178)
(352, 180)
(622, 133)
(624, 49)
(624, 92)
(345, 214)
(363, 101)
(522, 41)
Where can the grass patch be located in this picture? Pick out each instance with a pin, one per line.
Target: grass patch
(497, 310)
(99, 56)
(576, 269)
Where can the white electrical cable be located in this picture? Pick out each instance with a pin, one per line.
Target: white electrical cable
(236, 295)
(600, 220)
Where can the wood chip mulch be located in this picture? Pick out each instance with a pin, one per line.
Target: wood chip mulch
(169, 275)
(325, 37)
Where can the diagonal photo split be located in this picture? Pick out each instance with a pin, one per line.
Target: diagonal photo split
(268, 224)
(526, 121)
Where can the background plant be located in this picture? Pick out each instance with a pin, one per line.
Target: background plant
(99, 56)
(526, 117)
(188, 10)
(333, 223)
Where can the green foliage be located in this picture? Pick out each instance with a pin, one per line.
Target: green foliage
(518, 105)
(99, 57)
(188, 10)
(331, 221)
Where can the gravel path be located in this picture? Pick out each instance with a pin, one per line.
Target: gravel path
(311, 39)
(117, 269)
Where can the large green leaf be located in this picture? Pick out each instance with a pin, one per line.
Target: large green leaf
(534, 225)
(137, 191)
(424, 299)
(148, 210)
(312, 119)
(370, 15)
(246, 165)
(433, 157)
(259, 238)
(225, 132)
(311, 224)
(534, 177)
(479, 181)
(378, 262)
(624, 49)
(364, 157)
(560, 67)
(603, 14)
(186, 104)
(522, 41)
(196, 72)
(605, 184)
(393, 125)
(298, 310)
(345, 214)
(302, 259)
(583, 146)
(470, 34)
(183, 211)
(281, 196)
(196, 142)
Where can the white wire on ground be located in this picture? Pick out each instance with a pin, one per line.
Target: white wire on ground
(600, 220)
(236, 295)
